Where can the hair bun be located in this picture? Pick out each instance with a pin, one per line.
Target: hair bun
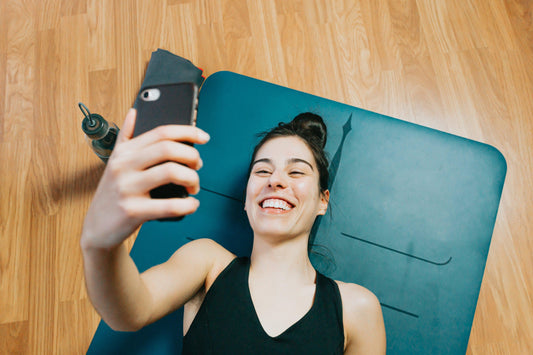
(311, 126)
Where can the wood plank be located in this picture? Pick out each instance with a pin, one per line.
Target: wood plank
(101, 36)
(14, 338)
(3, 59)
(15, 198)
(44, 290)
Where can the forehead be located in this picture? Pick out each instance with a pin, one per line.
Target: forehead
(284, 148)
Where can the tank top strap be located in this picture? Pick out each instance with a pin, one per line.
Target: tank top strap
(229, 283)
(330, 298)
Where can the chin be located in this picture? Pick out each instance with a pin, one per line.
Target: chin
(275, 233)
(270, 230)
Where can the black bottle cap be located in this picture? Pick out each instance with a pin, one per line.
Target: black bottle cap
(95, 126)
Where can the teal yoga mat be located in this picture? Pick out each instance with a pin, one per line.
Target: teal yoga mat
(411, 215)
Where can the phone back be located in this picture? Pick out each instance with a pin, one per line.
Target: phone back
(165, 104)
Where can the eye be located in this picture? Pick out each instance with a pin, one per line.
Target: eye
(262, 172)
(296, 173)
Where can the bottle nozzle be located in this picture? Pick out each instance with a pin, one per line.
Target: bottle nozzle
(87, 114)
(93, 125)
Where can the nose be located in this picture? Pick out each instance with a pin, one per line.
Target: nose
(277, 180)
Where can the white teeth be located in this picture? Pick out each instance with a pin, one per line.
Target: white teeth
(275, 203)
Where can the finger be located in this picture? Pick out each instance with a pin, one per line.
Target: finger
(164, 151)
(150, 209)
(126, 133)
(168, 173)
(172, 207)
(178, 133)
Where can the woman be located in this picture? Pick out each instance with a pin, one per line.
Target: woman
(272, 302)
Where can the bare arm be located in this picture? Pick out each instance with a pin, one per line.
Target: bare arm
(125, 299)
(363, 321)
(128, 301)
(115, 288)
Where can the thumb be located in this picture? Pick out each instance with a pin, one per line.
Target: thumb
(126, 133)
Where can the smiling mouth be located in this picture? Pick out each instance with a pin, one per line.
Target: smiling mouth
(276, 204)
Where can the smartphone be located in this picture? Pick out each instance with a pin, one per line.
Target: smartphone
(162, 105)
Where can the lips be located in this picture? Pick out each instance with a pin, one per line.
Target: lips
(276, 203)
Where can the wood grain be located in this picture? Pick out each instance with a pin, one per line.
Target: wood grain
(464, 67)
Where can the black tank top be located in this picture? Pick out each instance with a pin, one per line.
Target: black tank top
(227, 323)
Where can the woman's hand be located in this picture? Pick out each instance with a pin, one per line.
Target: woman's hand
(122, 200)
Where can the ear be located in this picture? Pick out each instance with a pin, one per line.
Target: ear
(324, 201)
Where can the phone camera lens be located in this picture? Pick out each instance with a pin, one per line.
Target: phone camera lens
(150, 94)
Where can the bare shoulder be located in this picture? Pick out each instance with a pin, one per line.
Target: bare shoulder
(206, 246)
(205, 250)
(357, 299)
(209, 252)
(363, 320)
(221, 259)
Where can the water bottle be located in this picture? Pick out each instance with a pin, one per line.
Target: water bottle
(100, 134)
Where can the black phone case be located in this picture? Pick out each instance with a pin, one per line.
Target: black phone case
(175, 105)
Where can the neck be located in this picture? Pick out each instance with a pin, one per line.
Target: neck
(286, 261)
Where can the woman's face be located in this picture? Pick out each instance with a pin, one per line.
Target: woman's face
(283, 196)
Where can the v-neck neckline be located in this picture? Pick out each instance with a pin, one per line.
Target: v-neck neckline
(295, 324)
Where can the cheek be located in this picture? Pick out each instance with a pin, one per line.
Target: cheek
(308, 190)
(302, 187)
(251, 191)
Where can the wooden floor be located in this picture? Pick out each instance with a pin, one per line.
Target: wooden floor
(461, 66)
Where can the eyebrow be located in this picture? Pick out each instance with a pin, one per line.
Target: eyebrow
(290, 161)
